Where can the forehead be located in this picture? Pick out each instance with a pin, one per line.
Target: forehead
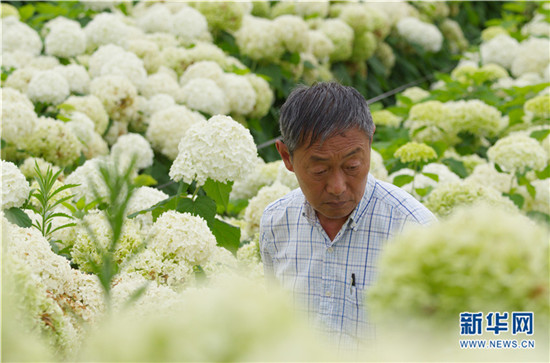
(337, 145)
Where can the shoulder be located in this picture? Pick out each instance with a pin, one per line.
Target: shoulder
(289, 204)
(402, 203)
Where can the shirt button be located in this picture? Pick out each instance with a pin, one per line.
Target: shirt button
(328, 293)
(330, 250)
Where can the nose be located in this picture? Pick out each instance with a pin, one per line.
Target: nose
(336, 184)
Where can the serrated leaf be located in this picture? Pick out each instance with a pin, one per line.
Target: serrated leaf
(218, 191)
(17, 216)
(227, 235)
(401, 180)
(456, 166)
(203, 207)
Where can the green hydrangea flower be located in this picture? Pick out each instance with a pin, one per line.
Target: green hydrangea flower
(517, 152)
(444, 199)
(385, 118)
(538, 107)
(415, 152)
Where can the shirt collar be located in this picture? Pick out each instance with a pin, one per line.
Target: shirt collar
(311, 216)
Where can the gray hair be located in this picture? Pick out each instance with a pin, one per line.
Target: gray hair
(321, 111)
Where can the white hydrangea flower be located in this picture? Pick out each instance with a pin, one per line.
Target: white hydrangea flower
(258, 39)
(133, 145)
(100, 5)
(312, 8)
(256, 205)
(286, 177)
(83, 128)
(424, 34)
(486, 174)
(226, 16)
(445, 176)
(117, 94)
(65, 38)
(541, 201)
(88, 178)
(106, 28)
(538, 26)
(16, 59)
(220, 263)
(48, 87)
(395, 11)
(386, 118)
(160, 82)
(18, 118)
(148, 51)
(239, 92)
(182, 237)
(17, 35)
(293, 32)
(156, 18)
(517, 152)
(54, 141)
(429, 121)
(377, 167)
(168, 126)
(155, 296)
(162, 40)
(15, 188)
(262, 175)
(157, 102)
(143, 198)
(77, 76)
(532, 56)
(101, 56)
(94, 236)
(20, 78)
(264, 95)
(28, 167)
(475, 116)
(128, 65)
(202, 69)
(189, 25)
(44, 62)
(320, 45)
(415, 94)
(501, 50)
(203, 94)
(341, 35)
(221, 150)
(92, 107)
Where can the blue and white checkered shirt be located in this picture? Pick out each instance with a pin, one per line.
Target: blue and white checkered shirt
(297, 252)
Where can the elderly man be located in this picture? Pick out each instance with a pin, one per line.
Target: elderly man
(322, 241)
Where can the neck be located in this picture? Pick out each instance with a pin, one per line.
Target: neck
(331, 226)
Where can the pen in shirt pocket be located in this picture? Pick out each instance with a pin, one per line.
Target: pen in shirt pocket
(352, 284)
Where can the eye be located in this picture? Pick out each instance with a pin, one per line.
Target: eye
(319, 171)
(352, 167)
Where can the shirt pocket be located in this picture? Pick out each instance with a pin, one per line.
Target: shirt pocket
(354, 311)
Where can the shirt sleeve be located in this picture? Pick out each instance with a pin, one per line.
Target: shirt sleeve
(266, 256)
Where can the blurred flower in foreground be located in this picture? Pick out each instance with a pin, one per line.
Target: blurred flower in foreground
(428, 276)
(236, 320)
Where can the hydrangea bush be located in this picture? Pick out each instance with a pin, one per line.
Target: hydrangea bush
(162, 114)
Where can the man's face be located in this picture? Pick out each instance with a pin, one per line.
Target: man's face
(332, 175)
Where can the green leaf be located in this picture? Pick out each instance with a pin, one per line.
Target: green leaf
(432, 176)
(227, 235)
(17, 216)
(25, 12)
(423, 191)
(218, 191)
(543, 174)
(144, 180)
(539, 216)
(540, 134)
(401, 180)
(516, 198)
(203, 207)
(456, 166)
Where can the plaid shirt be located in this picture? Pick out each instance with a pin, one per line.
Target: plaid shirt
(329, 279)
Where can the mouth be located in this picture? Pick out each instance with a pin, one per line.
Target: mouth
(337, 204)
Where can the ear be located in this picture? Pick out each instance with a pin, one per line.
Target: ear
(285, 154)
